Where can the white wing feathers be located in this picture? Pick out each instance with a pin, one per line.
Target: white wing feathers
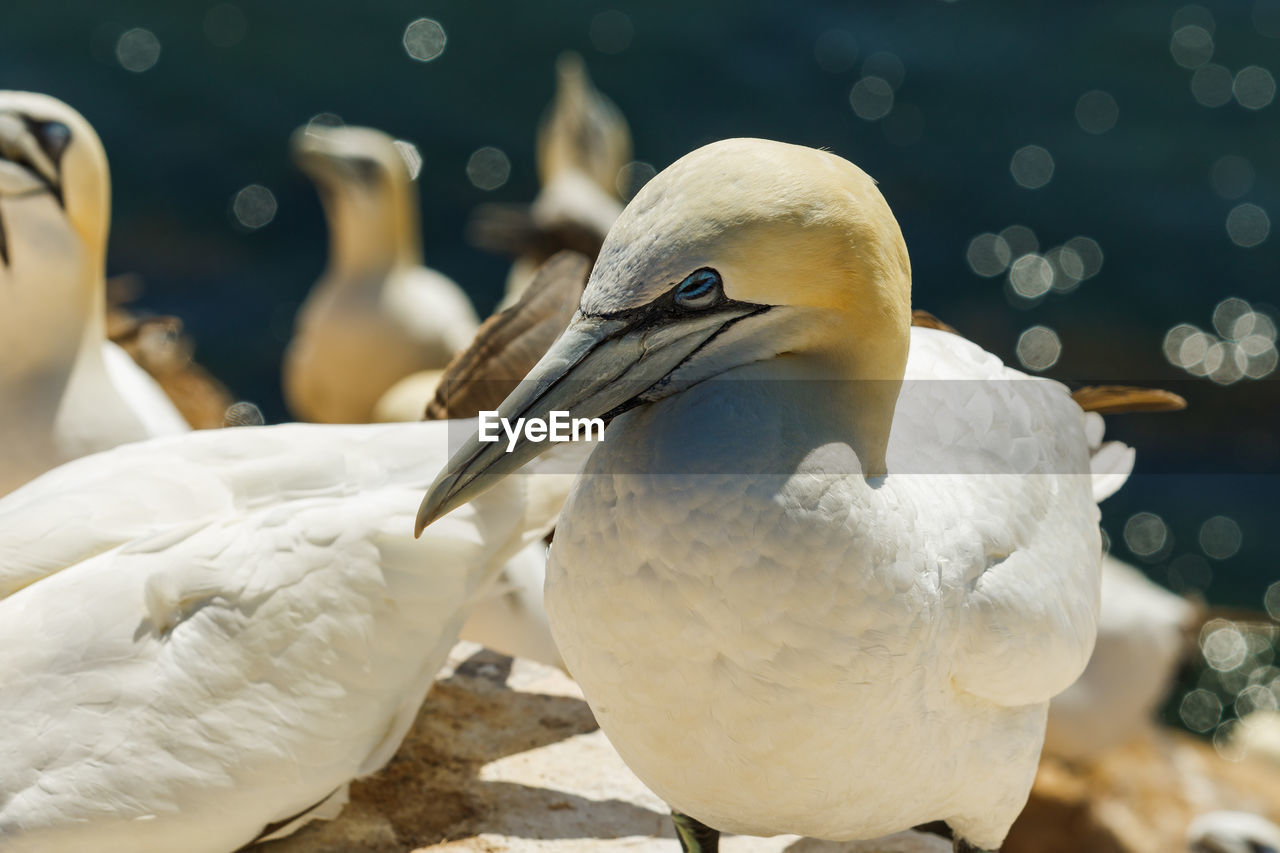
(208, 633)
(1011, 551)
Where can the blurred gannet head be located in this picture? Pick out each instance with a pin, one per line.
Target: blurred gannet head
(366, 183)
(49, 152)
(743, 251)
(582, 130)
(54, 216)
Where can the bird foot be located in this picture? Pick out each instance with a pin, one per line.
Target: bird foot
(695, 836)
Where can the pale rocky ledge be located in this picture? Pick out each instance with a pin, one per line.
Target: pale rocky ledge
(505, 757)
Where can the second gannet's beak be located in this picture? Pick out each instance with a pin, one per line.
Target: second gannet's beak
(600, 367)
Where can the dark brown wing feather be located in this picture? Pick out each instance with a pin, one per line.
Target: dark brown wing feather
(510, 343)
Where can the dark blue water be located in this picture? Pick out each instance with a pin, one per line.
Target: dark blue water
(982, 79)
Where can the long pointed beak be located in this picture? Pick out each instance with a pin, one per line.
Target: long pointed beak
(599, 367)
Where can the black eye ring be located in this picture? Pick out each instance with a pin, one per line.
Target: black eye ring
(701, 289)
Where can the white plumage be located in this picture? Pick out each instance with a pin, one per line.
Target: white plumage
(377, 314)
(1142, 638)
(826, 571)
(204, 635)
(64, 389)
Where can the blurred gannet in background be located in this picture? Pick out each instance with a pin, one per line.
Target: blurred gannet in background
(801, 594)
(204, 638)
(583, 143)
(1233, 832)
(64, 390)
(376, 314)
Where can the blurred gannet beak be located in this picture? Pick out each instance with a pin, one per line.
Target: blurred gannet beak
(600, 367)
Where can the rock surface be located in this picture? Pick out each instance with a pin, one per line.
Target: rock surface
(506, 756)
(1140, 798)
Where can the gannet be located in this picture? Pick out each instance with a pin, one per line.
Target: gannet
(64, 390)
(203, 638)
(376, 315)
(825, 571)
(1143, 637)
(583, 143)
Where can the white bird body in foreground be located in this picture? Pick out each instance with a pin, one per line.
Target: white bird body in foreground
(800, 594)
(1142, 638)
(376, 315)
(205, 635)
(64, 389)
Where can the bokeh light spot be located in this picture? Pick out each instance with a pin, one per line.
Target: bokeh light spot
(887, 66)
(611, 31)
(424, 39)
(1220, 537)
(1031, 276)
(488, 168)
(871, 98)
(1211, 86)
(1039, 348)
(1031, 167)
(1020, 239)
(1271, 601)
(243, 413)
(1145, 534)
(137, 50)
(1248, 225)
(1097, 111)
(1224, 648)
(1200, 710)
(411, 156)
(632, 177)
(1254, 87)
(1231, 176)
(253, 207)
(988, 255)
(1191, 46)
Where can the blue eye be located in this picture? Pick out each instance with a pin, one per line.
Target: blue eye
(701, 289)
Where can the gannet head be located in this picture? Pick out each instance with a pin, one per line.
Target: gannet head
(366, 183)
(742, 251)
(582, 130)
(48, 152)
(54, 216)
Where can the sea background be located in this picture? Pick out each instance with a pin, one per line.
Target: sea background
(212, 111)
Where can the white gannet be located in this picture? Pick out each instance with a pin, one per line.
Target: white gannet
(205, 636)
(800, 593)
(377, 314)
(583, 143)
(64, 389)
(1144, 634)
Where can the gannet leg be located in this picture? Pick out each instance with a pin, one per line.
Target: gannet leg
(695, 836)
